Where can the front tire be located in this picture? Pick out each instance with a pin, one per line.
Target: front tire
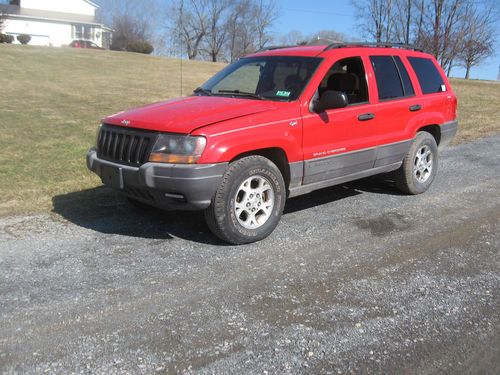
(249, 201)
(420, 165)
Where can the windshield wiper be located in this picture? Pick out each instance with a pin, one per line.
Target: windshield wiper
(201, 90)
(242, 93)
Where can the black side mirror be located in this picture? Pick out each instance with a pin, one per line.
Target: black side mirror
(331, 100)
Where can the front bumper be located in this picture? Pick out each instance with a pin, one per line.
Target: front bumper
(167, 186)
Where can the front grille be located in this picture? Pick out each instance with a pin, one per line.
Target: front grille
(125, 146)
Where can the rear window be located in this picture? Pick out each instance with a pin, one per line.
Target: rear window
(428, 76)
(388, 81)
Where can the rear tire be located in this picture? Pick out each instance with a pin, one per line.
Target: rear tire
(249, 201)
(420, 165)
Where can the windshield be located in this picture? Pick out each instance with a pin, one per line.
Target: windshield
(269, 77)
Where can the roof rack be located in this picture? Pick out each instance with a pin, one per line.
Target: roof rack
(270, 48)
(349, 44)
(372, 44)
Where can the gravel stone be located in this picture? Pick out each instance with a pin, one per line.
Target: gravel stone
(356, 279)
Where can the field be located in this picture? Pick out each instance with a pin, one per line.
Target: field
(52, 101)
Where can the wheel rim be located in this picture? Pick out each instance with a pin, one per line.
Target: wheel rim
(254, 202)
(422, 167)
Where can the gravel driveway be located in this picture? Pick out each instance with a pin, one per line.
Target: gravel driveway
(356, 279)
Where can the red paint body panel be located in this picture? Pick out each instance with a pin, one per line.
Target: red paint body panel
(269, 129)
(235, 126)
(183, 115)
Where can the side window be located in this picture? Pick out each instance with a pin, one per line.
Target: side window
(405, 78)
(428, 76)
(347, 76)
(387, 76)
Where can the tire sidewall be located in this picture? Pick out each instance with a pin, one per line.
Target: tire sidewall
(265, 169)
(423, 139)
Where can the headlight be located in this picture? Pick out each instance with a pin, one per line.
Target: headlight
(174, 148)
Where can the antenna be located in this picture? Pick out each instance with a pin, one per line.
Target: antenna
(181, 14)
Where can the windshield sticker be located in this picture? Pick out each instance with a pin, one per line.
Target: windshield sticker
(285, 94)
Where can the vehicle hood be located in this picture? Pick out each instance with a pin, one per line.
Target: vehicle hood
(184, 115)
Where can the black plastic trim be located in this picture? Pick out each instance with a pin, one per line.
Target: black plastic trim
(304, 189)
(150, 182)
(448, 132)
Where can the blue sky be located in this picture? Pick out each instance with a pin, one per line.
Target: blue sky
(339, 15)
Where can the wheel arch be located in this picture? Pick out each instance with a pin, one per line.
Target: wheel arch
(432, 129)
(276, 154)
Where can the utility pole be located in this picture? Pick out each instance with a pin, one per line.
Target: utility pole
(498, 76)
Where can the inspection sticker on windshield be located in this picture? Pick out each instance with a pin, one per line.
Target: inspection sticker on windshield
(285, 94)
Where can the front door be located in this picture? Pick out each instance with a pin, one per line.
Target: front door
(340, 142)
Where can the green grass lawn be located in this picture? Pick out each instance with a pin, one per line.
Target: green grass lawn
(53, 98)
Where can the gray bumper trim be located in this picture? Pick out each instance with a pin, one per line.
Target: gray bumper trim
(448, 132)
(161, 184)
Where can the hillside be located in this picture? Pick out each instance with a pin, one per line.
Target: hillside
(52, 101)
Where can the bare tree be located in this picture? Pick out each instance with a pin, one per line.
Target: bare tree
(190, 24)
(232, 28)
(132, 22)
(402, 21)
(217, 28)
(128, 30)
(445, 28)
(264, 13)
(240, 30)
(376, 18)
(331, 36)
(441, 32)
(292, 38)
(221, 29)
(479, 39)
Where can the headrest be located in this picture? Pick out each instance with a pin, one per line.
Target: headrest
(346, 82)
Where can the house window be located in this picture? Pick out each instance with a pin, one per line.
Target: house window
(83, 32)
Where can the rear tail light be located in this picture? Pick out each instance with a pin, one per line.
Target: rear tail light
(455, 105)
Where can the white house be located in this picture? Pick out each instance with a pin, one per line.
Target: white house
(55, 22)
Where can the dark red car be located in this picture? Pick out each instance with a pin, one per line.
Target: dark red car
(280, 123)
(80, 43)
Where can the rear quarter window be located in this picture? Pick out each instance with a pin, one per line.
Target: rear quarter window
(428, 75)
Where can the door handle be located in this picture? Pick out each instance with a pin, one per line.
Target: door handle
(416, 107)
(366, 117)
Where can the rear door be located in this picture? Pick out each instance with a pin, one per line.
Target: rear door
(396, 107)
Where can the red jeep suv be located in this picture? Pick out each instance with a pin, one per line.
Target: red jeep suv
(280, 123)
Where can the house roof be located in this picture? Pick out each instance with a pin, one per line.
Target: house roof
(46, 15)
(91, 3)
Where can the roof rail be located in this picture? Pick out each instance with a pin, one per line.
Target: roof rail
(270, 48)
(371, 44)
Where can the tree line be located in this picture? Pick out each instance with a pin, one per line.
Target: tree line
(221, 29)
(457, 32)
